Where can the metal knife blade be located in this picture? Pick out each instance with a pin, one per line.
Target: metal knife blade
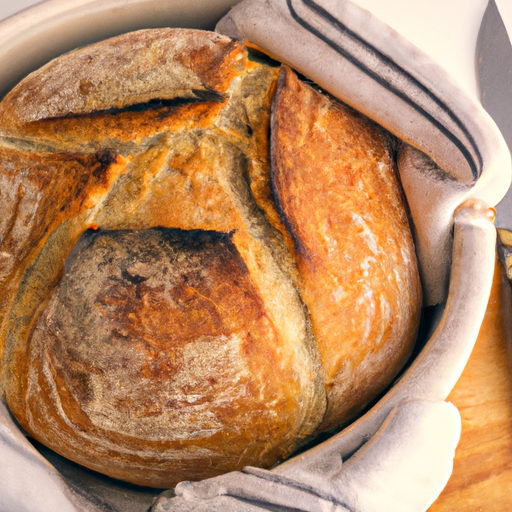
(494, 76)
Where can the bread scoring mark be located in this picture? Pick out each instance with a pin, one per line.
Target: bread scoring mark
(199, 96)
(153, 64)
(20, 144)
(39, 198)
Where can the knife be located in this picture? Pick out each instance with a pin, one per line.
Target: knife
(494, 74)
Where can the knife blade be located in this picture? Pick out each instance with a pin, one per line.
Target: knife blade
(494, 77)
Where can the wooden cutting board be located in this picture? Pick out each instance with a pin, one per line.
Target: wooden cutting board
(482, 473)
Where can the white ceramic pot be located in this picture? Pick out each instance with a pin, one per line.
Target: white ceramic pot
(410, 435)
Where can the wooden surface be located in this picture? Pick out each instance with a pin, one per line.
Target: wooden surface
(482, 474)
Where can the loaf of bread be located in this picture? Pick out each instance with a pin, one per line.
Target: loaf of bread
(204, 261)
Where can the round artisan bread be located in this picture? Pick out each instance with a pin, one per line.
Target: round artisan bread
(203, 260)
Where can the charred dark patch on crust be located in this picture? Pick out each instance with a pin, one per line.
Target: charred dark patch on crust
(106, 157)
(179, 271)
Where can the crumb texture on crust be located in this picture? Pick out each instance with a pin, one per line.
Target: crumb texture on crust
(339, 196)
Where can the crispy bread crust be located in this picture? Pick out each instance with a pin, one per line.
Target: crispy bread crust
(337, 189)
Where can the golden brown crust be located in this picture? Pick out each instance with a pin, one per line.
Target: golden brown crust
(339, 196)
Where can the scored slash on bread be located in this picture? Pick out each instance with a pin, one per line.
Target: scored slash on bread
(139, 198)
